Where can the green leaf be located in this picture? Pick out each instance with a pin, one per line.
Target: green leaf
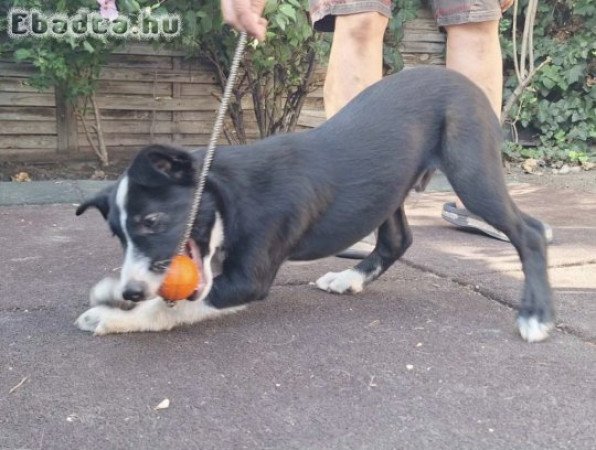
(131, 6)
(287, 10)
(281, 22)
(575, 73)
(270, 7)
(22, 54)
(548, 83)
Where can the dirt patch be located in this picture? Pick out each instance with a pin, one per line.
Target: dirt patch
(63, 170)
(583, 181)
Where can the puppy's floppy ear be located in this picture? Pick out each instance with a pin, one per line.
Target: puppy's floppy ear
(101, 201)
(157, 165)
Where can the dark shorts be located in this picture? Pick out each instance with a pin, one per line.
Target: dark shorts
(446, 12)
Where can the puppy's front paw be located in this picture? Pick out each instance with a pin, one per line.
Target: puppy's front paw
(94, 320)
(341, 282)
(105, 291)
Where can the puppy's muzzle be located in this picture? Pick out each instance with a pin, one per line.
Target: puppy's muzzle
(135, 291)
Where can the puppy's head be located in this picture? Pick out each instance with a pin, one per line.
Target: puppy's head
(148, 209)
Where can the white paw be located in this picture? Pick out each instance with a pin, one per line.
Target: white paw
(341, 282)
(106, 291)
(532, 330)
(94, 320)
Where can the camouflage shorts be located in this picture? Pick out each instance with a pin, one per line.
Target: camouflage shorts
(446, 12)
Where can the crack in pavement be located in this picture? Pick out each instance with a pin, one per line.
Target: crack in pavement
(573, 264)
(588, 262)
(491, 297)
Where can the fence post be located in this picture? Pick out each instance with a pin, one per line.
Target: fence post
(66, 124)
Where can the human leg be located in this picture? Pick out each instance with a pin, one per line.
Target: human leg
(474, 50)
(356, 58)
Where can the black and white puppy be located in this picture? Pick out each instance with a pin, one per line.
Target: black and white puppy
(304, 196)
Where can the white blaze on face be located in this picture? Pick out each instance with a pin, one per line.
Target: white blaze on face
(136, 265)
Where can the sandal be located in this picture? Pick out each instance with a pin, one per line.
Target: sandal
(463, 218)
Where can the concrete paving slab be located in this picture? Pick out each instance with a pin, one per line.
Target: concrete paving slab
(417, 361)
(574, 290)
(494, 266)
(572, 216)
(48, 192)
(39, 192)
(50, 243)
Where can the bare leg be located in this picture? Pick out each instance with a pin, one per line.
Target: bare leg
(474, 50)
(356, 59)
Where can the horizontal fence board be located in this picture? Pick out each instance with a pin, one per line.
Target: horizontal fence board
(414, 36)
(162, 75)
(422, 59)
(125, 115)
(421, 47)
(28, 141)
(157, 127)
(134, 88)
(144, 49)
(11, 69)
(316, 93)
(117, 139)
(194, 63)
(206, 103)
(27, 113)
(313, 103)
(145, 61)
(26, 99)
(311, 118)
(24, 127)
(28, 154)
(14, 84)
(187, 89)
(422, 22)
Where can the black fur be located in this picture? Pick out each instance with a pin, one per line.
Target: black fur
(308, 195)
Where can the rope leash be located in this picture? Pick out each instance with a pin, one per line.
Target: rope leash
(213, 141)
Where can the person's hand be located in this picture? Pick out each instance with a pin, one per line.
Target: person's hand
(245, 15)
(506, 4)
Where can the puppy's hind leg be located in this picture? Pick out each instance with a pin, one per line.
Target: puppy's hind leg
(472, 164)
(393, 239)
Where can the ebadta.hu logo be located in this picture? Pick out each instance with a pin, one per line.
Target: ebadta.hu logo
(98, 24)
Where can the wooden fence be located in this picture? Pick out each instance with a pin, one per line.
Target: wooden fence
(146, 96)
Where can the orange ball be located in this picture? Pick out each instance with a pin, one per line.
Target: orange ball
(182, 279)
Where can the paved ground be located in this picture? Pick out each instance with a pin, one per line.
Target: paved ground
(428, 357)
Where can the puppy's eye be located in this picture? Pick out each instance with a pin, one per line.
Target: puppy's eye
(151, 223)
(160, 266)
(151, 220)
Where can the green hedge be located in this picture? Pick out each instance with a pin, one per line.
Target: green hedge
(559, 106)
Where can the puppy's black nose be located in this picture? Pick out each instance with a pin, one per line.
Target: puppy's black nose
(134, 290)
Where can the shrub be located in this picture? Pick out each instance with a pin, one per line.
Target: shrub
(558, 108)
